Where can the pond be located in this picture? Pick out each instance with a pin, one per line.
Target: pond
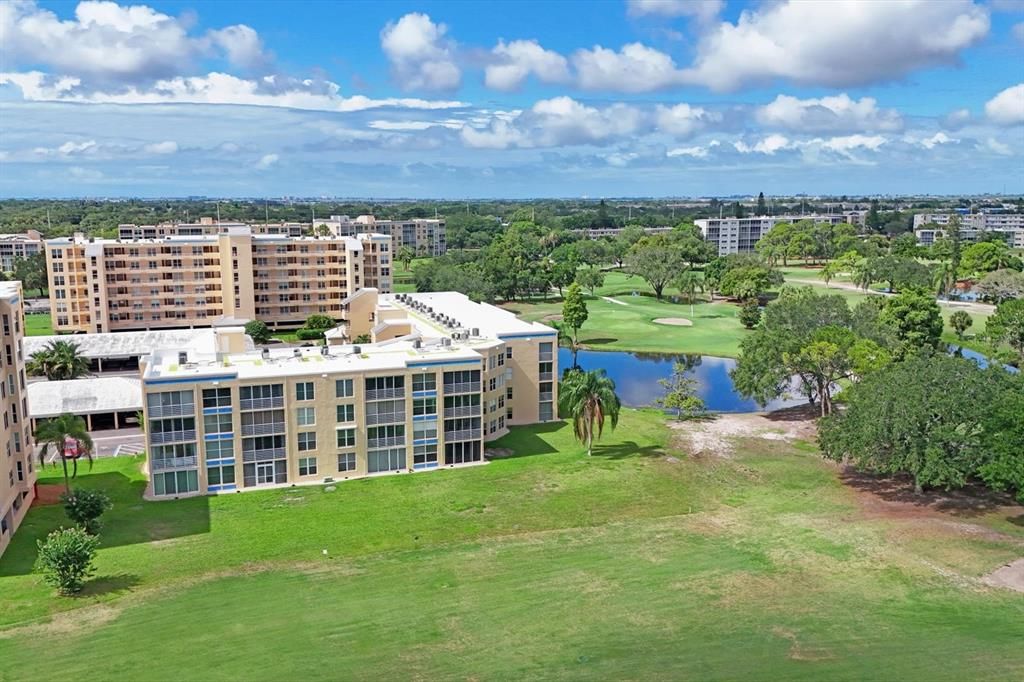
(636, 378)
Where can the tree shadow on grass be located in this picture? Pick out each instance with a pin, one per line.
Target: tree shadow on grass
(131, 521)
(1016, 520)
(109, 584)
(600, 341)
(626, 449)
(527, 442)
(797, 413)
(972, 500)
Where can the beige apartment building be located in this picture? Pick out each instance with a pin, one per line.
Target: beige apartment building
(225, 274)
(425, 236)
(17, 465)
(17, 246)
(227, 419)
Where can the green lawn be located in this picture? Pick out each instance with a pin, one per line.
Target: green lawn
(545, 565)
(38, 324)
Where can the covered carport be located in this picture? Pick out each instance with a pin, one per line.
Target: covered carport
(110, 402)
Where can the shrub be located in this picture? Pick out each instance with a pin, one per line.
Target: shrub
(319, 321)
(65, 558)
(750, 313)
(309, 334)
(258, 331)
(85, 506)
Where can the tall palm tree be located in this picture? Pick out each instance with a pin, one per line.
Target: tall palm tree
(62, 432)
(59, 361)
(943, 278)
(588, 398)
(689, 283)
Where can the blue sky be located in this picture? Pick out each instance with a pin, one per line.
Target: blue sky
(511, 99)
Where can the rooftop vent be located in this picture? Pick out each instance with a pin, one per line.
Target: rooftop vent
(476, 331)
(357, 349)
(417, 343)
(325, 350)
(182, 358)
(446, 341)
(296, 352)
(265, 353)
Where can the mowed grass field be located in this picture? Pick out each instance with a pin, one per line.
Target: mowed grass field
(639, 563)
(38, 324)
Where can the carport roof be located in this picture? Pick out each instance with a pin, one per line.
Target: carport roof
(131, 344)
(95, 395)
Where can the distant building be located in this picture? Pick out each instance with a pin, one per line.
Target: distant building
(739, 235)
(17, 460)
(442, 376)
(612, 232)
(224, 274)
(972, 227)
(16, 246)
(425, 236)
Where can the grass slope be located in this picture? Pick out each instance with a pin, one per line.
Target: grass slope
(547, 565)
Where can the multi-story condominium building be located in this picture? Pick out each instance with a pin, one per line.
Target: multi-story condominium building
(207, 226)
(429, 395)
(739, 235)
(230, 275)
(16, 246)
(972, 226)
(17, 465)
(426, 237)
(612, 232)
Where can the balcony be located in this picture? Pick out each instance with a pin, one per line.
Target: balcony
(385, 418)
(546, 397)
(465, 411)
(174, 463)
(465, 434)
(262, 429)
(261, 403)
(545, 356)
(264, 455)
(385, 393)
(183, 410)
(387, 442)
(546, 376)
(462, 387)
(172, 437)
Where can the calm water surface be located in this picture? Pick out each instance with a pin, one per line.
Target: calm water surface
(636, 378)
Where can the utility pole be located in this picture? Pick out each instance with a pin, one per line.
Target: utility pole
(266, 208)
(218, 213)
(48, 224)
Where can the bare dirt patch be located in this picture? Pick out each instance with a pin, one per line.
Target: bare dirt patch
(1010, 576)
(716, 435)
(48, 494)
(554, 317)
(893, 497)
(673, 321)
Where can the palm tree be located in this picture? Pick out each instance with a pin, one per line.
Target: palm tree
(943, 278)
(588, 398)
(863, 274)
(405, 256)
(69, 436)
(689, 284)
(59, 361)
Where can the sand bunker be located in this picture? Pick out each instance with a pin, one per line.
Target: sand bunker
(674, 321)
(1011, 575)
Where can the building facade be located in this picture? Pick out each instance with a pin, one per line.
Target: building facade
(739, 235)
(425, 236)
(17, 464)
(231, 274)
(972, 227)
(16, 246)
(230, 420)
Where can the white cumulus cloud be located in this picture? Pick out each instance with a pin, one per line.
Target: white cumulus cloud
(702, 10)
(517, 60)
(165, 147)
(769, 145)
(828, 114)
(266, 161)
(683, 120)
(634, 68)
(420, 55)
(1007, 108)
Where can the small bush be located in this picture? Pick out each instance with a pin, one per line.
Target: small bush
(85, 506)
(309, 334)
(750, 313)
(65, 558)
(258, 331)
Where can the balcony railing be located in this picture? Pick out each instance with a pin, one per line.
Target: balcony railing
(385, 393)
(465, 411)
(545, 376)
(465, 434)
(261, 403)
(462, 387)
(174, 463)
(545, 356)
(172, 437)
(262, 429)
(385, 418)
(183, 410)
(263, 455)
(385, 442)
(546, 397)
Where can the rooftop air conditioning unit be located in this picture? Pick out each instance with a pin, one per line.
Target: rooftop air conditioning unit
(476, 331)
(182, 358)
(446, 341)
(265, 353)
(417, 343)
(325, 350)
(357, 349)
(296, 352)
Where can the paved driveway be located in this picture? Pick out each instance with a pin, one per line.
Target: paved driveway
(107, 442)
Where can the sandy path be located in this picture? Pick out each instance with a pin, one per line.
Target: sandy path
(981, 308)
(612, 300)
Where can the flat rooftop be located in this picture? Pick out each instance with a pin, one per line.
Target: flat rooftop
(176, 239)
(10, 290)
(132, 344)
(84, 396)
(491, 321)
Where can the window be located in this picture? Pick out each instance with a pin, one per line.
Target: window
(424, 429)
(346, 413)
(264, 391)
(307, 441)
(176, 482)
(343, 388)
(460, 453)
(347, 461)
(424, 382)
(394, 433)
(168, 399)
(216, 397)
(220, 475)
(307, 466)
(385, 411)
(391, 459)
(422, 406)
(304, 390)
(220, 449)
(217, 423)
(305, 416)
(508, 352)
(346, 438)
(460, 380)
(385, 387)
(424, 457)
(545, 414)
